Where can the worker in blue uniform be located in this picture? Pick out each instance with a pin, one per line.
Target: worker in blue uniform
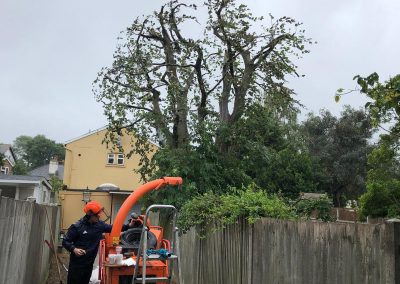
(82, 241)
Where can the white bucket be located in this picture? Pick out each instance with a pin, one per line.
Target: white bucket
(112, 258)
(118, 258)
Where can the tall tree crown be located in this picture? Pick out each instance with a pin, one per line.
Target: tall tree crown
(165, 82)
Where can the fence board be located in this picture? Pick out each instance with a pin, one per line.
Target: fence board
(24, 258)
(280, 252)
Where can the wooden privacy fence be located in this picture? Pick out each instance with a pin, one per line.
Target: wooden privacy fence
(279, 252)
(24, 257)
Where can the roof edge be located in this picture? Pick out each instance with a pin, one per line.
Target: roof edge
(96, 131)
(85, 135)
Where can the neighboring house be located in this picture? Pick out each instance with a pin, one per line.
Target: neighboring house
(94, 172)
(8, 160)
(21, 187)
(29, 188)
(53, 169)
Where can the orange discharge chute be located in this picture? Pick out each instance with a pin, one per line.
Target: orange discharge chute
(132, 199)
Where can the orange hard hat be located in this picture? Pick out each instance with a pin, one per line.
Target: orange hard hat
(93, 206)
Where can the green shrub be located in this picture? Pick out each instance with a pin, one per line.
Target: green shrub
(382, 199)
(250, 203)
(323, 205)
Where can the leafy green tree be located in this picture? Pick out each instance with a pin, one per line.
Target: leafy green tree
(268, 154)
(384, 106)
(340, 148)
(37, 151)
(382, 198)
(182, 90)
(20, 168)
(56, 183)
(263, 151)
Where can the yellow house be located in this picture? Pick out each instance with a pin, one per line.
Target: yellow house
(93, 171)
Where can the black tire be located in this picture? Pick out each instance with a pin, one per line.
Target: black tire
(132, 237)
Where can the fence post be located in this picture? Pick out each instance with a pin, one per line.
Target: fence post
(396, 227)
(396, 248)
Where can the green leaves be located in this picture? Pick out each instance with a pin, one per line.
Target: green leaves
(250, 203)
(37, 151)
(385, 99)
(20, 168)
(382, 198)
(319, 208)
(56, 183)
(217, 103)
(339, 147)
(164, 82)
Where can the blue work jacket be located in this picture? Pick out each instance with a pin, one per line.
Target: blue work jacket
(87, 236)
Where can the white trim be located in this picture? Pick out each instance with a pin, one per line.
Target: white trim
(122, 158)
(109, 158)
(85, 135)
(7, 181)
(115, 157)
(5, 170)
(11, 163)
(20, 181)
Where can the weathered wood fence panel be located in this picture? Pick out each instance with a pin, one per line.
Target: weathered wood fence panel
(24, 257)
(280, 252)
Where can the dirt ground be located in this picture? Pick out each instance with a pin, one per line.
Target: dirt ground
(54, 277)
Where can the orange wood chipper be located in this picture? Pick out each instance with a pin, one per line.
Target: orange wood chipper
(126, 257)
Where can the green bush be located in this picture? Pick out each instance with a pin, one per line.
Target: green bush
(250, 203)
(304, 208)
(382, 199)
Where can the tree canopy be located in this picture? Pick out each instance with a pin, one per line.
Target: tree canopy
(36, 151)
(170, 86)
(340, 148)
(384, 104)
(382, 198)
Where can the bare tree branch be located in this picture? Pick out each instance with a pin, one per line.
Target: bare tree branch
(138, 107)
(174, 65)
(266, 50)
(217, 84)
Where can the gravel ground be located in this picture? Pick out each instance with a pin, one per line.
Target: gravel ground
(54, 277)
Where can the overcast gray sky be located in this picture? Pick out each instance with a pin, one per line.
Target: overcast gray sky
(51, 51)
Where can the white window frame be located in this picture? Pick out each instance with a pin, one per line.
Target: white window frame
(110, 157)
(115, 159)
(120, 159)
(4, 170)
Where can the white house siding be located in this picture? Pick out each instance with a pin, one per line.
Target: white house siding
(38, 193)
(25, 192)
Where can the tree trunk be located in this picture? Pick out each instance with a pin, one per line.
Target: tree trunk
(336, 197)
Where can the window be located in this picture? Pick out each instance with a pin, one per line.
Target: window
(110, 159)
(4, 170)
(120, 160)
(115, 159)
